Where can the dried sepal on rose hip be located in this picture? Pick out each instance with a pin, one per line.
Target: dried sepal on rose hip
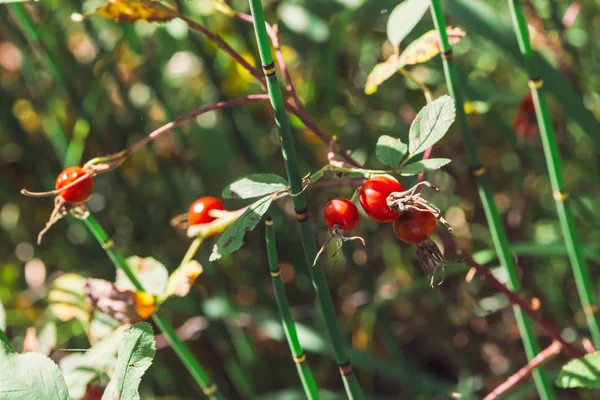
(206, 217)
(341, 216)
(73, 187)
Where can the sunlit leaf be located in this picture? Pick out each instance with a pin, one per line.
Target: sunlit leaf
(431, 124)
(390, 151)
(424, 166)
(423, 49)
(404, 18)
(151, 273)
(427, 46)
(2, 317)
(47, 338)
(136, 351)
(81, 368)
(302, 21)
(181, 280)
(124, 11)
(30, 376)
(67, 300)
(257, 185)
(123, 305)
(233, 238)
(380, 73)
(581, 372)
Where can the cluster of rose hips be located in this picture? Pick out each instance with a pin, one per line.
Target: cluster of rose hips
(384, 200)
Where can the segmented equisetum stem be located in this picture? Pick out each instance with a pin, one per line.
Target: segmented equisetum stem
(530, 342)
(353, 389)
(308, 381)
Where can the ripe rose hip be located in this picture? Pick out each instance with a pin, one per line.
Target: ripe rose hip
(373, 197)
(199, 211)
(413, 226)
(78, 193)
(341, 212)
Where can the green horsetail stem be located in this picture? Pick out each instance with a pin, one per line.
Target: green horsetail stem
(530, 342)
(581, 271)
(306, 377)
(209, 388)
(353, 389)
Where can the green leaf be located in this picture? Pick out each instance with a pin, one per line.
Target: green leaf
(581, 372)
(390, 151)
(151, 273)
(30, 376)
(136, 352)
(431, 124)
(81, 368)
(253, 186)
(424, 166)
(233, 238)
(404, 18)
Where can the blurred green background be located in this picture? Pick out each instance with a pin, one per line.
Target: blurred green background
(77, 90)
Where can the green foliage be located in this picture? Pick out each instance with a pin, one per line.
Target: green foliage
(152, 274)
(30, 376)
(80, 369)
(391, 151)
(136, 351)
(431, 124)
(424, 166)
(2, 317)
(253, 186)
(404, 18)
(233, 237)
(581, 372)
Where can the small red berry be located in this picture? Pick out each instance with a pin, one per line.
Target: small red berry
(341, 212)
(414, 226)
(199, 211)
(80, 192)
(373, 197)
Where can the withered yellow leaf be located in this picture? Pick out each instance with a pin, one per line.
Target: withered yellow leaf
(126, 12)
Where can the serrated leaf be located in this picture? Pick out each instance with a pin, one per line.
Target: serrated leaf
(424, 166)
(581, 372)
(256, 185)
(181, 280)
(125, 11)
(151, 273)
(79, 369)
(404, 18)
(30, 376)
(431, 124)
(136, 351)
(233, 238)
(427, 46)
(390, 151)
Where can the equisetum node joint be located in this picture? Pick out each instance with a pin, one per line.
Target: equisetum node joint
(560, 196)
(275, 274)
(269, 70)
(346, 368)
(210, 389)
(536, 83)
(478, 170)
(299, 359)
(302, 215)
(106, 245)
(447, 55)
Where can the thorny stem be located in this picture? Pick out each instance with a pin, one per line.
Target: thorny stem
(289, 326)
(583, 279)
(187, 358)
(530, 342)
(353, 389)
(543, 357)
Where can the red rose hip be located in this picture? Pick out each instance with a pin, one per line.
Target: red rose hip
(373, 197)
(341, 212)
(199, 211)
(78, 193)
(413, 226)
